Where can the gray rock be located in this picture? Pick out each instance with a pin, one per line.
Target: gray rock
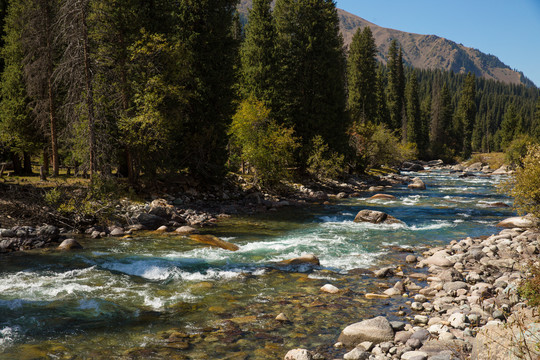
(117, 232)
(414, 355)
(421, 334)
(397, 325)
(357, 354)
(458, 320)
(450, 275)
(410, 259)
(454, 286)
(49, 231)
(402, 337)
(375, 217)
(298, 354)
(149, 221)
(376, 330)
(384, 272)
(414, 343)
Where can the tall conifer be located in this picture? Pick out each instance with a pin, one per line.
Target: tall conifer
(396, 86)
(362, 76)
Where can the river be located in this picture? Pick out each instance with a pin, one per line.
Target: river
(164, 296)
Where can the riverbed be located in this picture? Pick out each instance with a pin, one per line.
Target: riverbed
(164, 296)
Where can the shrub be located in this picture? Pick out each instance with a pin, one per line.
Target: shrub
(322, 162)
(524, 186)
(530, 287)
(267, 146)
(517, 149)
(376, 146)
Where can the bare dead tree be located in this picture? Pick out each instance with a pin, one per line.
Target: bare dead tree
(74, 70)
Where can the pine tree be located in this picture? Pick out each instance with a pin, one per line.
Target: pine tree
(441, 121)
(204, 27)
(510, 126)
(362, 76)
(382, 115)
(414, 132)
(39, 61)
(309, 95)
(466, 114)
(257, 53)
(396, 86)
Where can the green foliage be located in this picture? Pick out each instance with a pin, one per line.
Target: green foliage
(416, 132)
(396, 86)
(309, 91)
(323, 162)
(257, 53)
(376, 146)
(530, 287)
(362, 76)
(517, 149)
(525, 183)
(159, 99)
(466, 113)
(509, 126)
(265, 145)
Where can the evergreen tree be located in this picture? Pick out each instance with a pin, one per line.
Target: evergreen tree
(18, 131)
(414, 133)
(204, 27)
(396, 86)
(257, 53)
(382, 115)
(309, 92)
(536, 122)
(362, 76)
(466, 114)
(510, 126)
(39, 61)
(441, 121)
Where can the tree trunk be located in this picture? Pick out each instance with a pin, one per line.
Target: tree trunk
(89, 96)
(17, 169)
(45, 159)
(52, 109)
(27, 164)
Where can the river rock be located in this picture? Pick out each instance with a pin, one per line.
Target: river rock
(282, 317)
(149, 221)
(503, 170)
(383, 197)
(329, 288)
(185, 230)
(376, 296)
(375, 217)
(357, 354)
(49, 231)
(298, 354)
(214, 241)
(69, 244)
(458, 320)
(414, 355)
(304, 259)
(117, 231)
(376, 330)
(410, 259)
(474, 167)
(527, 221)
(417, 184)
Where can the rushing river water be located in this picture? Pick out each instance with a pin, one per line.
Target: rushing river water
(164, 296)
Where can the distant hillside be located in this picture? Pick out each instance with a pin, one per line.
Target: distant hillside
(427, 51)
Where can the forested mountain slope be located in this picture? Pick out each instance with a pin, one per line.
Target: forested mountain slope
(427, 51)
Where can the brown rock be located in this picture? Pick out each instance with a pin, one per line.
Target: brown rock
(383, 196)
(69, 244)
(375, 217)
(304, 259)
(214, 241)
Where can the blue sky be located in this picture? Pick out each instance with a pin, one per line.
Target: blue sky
(509, 30)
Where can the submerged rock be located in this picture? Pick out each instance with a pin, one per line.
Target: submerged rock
(376, 330)
(214, 241)
(375, 217)
(383, 197)
(304, 259)
(329, 288)
(69, 244)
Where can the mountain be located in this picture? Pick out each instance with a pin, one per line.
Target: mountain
(426, 51)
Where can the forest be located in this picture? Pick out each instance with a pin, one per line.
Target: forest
(138, 88)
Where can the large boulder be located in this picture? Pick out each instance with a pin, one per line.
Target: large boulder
(503, 170)
(440, 258)
(375, 217)
(376, 330)
(214, 241)
(527, 221)
(475, 167)
(149, 221)
(49, 231)
(417, 184)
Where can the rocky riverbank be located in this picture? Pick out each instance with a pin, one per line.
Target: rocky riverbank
(469, 306)
(184, 213)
